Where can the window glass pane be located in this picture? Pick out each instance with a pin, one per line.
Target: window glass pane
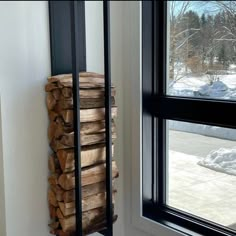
(201, 52)
(201, 171)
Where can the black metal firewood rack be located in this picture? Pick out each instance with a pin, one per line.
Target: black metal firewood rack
(68, 54)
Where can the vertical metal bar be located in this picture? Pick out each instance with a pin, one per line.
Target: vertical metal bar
(76, 101)
(109, 205)
(60, 36)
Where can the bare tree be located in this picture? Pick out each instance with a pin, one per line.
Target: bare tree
(227, 32)
(181, 35)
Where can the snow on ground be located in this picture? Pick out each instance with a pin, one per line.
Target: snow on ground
(199, 86)
(232, 67)
(224, 87)
(222, 160)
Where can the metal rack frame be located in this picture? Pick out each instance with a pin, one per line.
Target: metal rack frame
(68, 54)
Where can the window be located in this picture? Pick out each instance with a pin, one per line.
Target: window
(189, 119)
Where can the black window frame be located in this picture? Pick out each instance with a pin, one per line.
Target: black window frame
(157, 107)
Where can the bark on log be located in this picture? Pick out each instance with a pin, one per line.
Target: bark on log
(56, 130)
(53, 179)
(89, 175)
(90, 155)
(53, 164)
(88, 81)
(52, 198)
(52, 212)
(92, 221)
(88, 203)
(97, 227)
(86, 115)
(58, 191)
(54, 225)
(66, 82)
(85, 103)
(50, 100)
(59, 214)
(67, 140)
(67, 93)
(88, 219)
(88, 190)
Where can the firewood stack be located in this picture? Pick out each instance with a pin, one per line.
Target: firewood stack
(61, 194)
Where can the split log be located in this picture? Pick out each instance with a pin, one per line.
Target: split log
(92, 221)
(56, 130)
(67, 140)
(57, 94)
(86, 115)
(53, 116)
(67, 209)
(89, 175)
(85, 83)
(85, 103)
(54, 225)
(88, 190)
(58, 191)
(97, 227)
(91, 74)
(53, 179)
(88, 203)
(66, 160)
(50, 87)
(52, 212)
(66, 93)
(53, 164)
(94, 127)
(50, 101)
(88, 219)
(52, 198)
(88, 81)
(90, 155)
(59, 214)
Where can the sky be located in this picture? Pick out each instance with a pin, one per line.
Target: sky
(200, 7)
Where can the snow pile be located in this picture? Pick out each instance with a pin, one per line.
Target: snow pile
(222, 160)
(216, 89)
(232, 66)
(199, 86)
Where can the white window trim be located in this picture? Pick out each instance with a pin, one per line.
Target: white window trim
(137, 220)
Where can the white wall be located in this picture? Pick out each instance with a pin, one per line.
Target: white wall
(94, 36)
(2, 193)
(24, 67)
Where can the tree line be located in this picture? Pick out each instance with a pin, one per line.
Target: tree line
(201, 43)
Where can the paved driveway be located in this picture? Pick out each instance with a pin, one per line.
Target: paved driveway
(196, 189)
